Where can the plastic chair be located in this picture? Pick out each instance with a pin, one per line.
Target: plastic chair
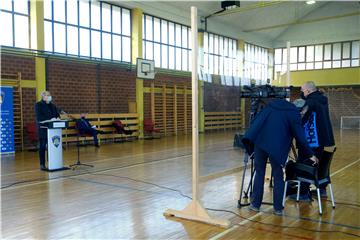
(149, 127)
(315, 175)
(32, 133)
(120, 129)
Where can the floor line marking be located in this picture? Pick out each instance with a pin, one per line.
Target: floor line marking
(224, 232)
(347, 166)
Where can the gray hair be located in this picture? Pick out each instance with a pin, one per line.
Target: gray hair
(310, 85)
(45, 93)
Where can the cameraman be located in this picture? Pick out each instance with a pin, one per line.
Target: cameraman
(272, 132)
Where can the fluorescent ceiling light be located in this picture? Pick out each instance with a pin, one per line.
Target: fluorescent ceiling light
(310, 2)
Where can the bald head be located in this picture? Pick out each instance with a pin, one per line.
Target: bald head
(308, 87)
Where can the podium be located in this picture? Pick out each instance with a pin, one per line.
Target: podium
(54, 143)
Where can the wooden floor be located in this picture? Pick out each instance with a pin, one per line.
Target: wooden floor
(117, 199)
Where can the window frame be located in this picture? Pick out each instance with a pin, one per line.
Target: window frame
(226, 56)
(90, 30)
(250, 60)
(323, 61)
(13, 14)
(167, 44)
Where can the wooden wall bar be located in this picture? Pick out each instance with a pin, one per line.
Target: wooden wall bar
(170, 106)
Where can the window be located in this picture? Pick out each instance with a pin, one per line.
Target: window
(166, 43)
(256, 64)
(220, 57)
(322, 56)
(88, 29)
(14, 19)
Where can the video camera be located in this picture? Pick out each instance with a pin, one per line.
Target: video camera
(265, 91)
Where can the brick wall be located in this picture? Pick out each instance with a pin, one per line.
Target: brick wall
(118, 87)
(91, 88)
(14, 64)
(343, 101)
(73, 86)
(169, 80)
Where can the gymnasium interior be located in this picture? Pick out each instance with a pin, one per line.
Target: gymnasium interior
(168, 87)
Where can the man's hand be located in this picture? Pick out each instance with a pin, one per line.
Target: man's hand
(315, 160)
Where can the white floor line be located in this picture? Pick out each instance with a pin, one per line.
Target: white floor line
(255, 216)
(218, 236)
(347, 166)
(267, 209)
(224, 232)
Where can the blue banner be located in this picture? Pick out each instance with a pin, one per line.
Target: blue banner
(7, 120)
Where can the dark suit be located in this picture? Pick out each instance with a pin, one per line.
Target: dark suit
(272, 132)
(44, 111)
(84, 127)
(318, 114)
(318, 103)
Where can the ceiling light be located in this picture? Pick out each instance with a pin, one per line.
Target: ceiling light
(310, 2)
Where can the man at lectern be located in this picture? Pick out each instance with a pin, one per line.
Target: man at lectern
(45, 110)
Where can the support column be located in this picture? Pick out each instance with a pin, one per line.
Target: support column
(137, 53)
(201, 83)
(271, 75)
(37, 43)
(241, 59)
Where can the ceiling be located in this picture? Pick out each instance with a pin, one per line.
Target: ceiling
(245, 22)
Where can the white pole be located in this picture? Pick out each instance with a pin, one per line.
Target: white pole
(195, 211)
(288, 64)
(195, 105)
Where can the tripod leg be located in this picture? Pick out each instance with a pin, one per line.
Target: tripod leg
(271, 179)
(246, 157)
(249, 188)
(78, 150)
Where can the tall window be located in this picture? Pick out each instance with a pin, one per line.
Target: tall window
(87, 28)
(256, 65)
(167, 43)
(14, 22)
(220, 57)
(321, 56)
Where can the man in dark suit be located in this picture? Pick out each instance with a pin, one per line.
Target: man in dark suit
(318, 127)
(271, 133)
(45, 110)
(84, 127)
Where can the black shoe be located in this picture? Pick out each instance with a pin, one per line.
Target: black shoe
(43, 168)
(97, 145)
